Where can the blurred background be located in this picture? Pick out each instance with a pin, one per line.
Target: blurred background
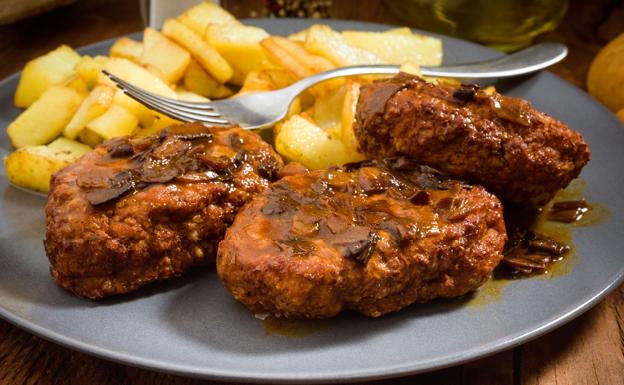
(32, 27)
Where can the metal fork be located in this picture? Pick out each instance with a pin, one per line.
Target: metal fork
(264, 109)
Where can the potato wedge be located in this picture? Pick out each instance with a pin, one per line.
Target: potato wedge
(299, 36)
(222, 92)
(94, 105)
(398, 48)
(206, 55)
(200, 16)
(349, 107)
(78, 84)
(116, 121)
(197, 80)
(69, 146)
(291, 56)
(189, 96)
(140, 77)
(240, 45)
(157, 125)
(90, 138)
(90, 69)
(328, 109)
(399, 31)
(31, 167)
(162, 53)
(324, 41)
(39, 74)
(127, 48)
(45, 119)
(255, 82)
(301, 140)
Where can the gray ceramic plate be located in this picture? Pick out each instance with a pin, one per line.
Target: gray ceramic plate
(193, 326)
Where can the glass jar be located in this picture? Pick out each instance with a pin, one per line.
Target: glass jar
(502, 24)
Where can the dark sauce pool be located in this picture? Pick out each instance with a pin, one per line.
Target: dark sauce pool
(544, 223)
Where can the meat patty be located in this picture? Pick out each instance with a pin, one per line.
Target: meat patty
(139, 210)
(375, 239)
(519, 153)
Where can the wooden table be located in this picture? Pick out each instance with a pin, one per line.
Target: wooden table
(588, 350)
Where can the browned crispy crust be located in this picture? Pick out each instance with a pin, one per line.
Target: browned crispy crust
(374, 240)
(515, 151)
(156, 231)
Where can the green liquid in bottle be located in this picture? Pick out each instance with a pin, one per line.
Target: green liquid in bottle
(502, 24)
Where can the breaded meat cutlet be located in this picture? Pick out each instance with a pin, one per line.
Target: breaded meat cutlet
(374, 237)
(140, 210)
(502, 143)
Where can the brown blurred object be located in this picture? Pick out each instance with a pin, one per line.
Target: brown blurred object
(588, 350)
(585, 29)
(14, 10)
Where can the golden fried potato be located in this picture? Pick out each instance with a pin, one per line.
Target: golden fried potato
(206, 55)
(324, 41)
(78, 84)
(116, 121)
(620, 115)
(140, 77)
(256, 82)
(158, 124)
(605, 79)
(94, 105)
(45, 119)
(299, 36)
(90, 138)
(89, 69)
(39, 74)
(197, 80)
(328, 110)
(300, 140)
(399, 31)
(165, 55)
(189, 96)
(69, 146)
(349, 107)
(398, 48)
(127, 48)
(240, 45)
(32, 166)
(203, 14)
(291, 56)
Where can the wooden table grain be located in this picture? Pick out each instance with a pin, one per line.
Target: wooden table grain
(588, 350)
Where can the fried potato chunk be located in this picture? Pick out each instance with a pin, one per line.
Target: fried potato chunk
(203, 14)
(127, 48)
(32, 166)
(168, 57)
(43, 72)
(324, 41)
(300, 140)
(240, 45)
(46, 118)
(398, 48)
(94, 105)
(116, 121)
(206, 55)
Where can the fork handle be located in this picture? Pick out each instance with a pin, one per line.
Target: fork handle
(523, 62)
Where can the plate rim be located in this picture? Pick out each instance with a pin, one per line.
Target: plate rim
(195, 371)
